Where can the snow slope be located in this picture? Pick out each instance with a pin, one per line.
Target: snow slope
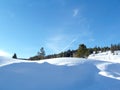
(59, 74)
(106, 56)
(105, 68)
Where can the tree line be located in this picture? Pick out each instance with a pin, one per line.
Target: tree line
(82, 52)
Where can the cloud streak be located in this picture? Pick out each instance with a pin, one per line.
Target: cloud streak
(75, 12)
(62, 42)
(70, 44)
(55, 43)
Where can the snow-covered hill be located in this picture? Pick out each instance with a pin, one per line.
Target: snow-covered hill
(59, 74)
(106, 56)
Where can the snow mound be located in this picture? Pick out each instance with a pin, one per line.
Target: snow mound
(64, 61)
(59, 74)
(7, 61)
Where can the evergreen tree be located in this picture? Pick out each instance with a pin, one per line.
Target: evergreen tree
(41, 54)
(82, 51)
(14, 56)
(90, 51)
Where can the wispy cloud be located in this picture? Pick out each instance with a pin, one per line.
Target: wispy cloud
(63, 42)
(4, 53)
(55, 43)
(70, 44)
(91, 40)
(75, 12)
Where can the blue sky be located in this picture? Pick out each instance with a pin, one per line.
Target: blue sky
(57, 25)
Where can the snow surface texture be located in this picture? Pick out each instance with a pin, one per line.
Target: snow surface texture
(59, 74)
(111, 68)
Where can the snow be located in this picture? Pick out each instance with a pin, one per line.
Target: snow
(111, 68)
(6, 61)
(106, 56)
(63, 61)
(98, 72)
(4, 53)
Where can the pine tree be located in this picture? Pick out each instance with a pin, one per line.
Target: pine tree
(82, 51)
(41, 54)
(14, 56)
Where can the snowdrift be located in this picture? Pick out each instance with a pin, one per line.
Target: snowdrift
(59, 74)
